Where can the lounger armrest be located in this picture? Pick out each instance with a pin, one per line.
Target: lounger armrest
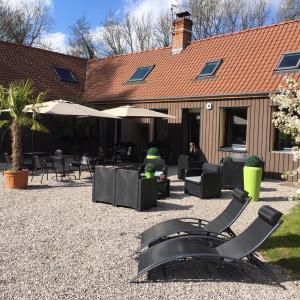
(201, 221)
(193, 172)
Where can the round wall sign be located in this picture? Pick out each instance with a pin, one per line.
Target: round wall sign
(209, 106)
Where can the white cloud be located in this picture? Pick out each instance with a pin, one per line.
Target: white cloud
(275, 3)
(18, 3)
(56, 40)
(143, 7)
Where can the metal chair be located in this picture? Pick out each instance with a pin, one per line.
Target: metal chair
(7, 159)
(42, 166)
(84, 162)
(58, 152)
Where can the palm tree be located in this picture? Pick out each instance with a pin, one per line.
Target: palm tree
(14, 100)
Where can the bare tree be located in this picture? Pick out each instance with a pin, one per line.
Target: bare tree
(112, 37)
(254, 13)
(24, 24)
(231, 15)
(163, 30)
(128, 31)
(82, 42)
(288, 9)
(143, 28)
(207, 17)
(213, 17)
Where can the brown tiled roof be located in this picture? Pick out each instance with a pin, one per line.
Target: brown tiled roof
(249, 59)
(21, 62)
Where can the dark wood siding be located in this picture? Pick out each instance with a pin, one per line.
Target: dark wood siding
(259, 130)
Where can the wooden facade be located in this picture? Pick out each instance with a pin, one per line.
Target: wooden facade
(260, 131)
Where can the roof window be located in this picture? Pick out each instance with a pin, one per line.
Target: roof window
(210, 68)
(289, 61)
(65, 75)
(141, 73)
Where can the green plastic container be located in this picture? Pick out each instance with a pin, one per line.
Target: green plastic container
(149, 175)
(252, 181)
(152, 156)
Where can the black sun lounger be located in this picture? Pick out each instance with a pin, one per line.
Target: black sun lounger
(234, 251)
(221, 224)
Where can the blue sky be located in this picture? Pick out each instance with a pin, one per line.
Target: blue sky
(65, 13)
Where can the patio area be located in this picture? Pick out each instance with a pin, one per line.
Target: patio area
(56, 243)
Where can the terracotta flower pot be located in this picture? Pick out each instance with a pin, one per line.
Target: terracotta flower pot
(16, 179)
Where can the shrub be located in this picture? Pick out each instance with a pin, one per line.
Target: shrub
(153, 152)
(253, 161)
(227, 158)
(150, 168)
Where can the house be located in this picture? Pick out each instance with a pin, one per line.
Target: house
(217, 89)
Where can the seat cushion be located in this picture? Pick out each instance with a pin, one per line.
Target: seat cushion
(193, 179)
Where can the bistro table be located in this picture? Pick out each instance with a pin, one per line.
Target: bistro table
(37, 153)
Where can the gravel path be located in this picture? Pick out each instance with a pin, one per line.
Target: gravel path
(56, 244)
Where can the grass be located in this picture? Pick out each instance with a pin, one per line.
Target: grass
(283, 247)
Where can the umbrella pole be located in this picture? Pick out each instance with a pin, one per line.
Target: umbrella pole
(116, 140)
(32, 141)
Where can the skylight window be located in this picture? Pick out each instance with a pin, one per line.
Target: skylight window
(65, 75)
(210, 68)
(289, 61)
(141, 73)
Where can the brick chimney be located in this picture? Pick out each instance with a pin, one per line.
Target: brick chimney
(182, 34)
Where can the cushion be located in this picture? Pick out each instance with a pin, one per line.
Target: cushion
(194, 179)
(239, 195)
(269, 214)
(210, 168)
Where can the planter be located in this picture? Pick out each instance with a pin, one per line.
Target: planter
(16, 179)
(152, 156)
(252, 181)
(149, 175)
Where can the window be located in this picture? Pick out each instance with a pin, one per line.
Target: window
(289, 61)
(283, 141)
(65, 75)
(141, 73)
(235, 127)
(210, 68)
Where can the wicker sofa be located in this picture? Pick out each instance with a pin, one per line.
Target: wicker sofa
(124, 187)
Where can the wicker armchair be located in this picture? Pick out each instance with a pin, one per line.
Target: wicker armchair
(204, 183)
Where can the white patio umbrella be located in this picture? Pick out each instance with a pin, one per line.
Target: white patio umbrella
(68, 108)
(128, 111)
(136, 112)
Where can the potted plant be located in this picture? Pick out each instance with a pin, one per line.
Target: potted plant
(13, 100)
(149, 170)
(252, 176)
(225, 159)
(153, 153)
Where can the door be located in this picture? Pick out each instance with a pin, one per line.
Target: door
(191, 131)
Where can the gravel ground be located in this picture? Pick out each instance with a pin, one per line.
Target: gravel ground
(56, 244)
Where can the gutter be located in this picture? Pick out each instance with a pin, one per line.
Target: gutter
(186, 99)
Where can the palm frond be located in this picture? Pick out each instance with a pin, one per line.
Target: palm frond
(4, 123)
(37, 126)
